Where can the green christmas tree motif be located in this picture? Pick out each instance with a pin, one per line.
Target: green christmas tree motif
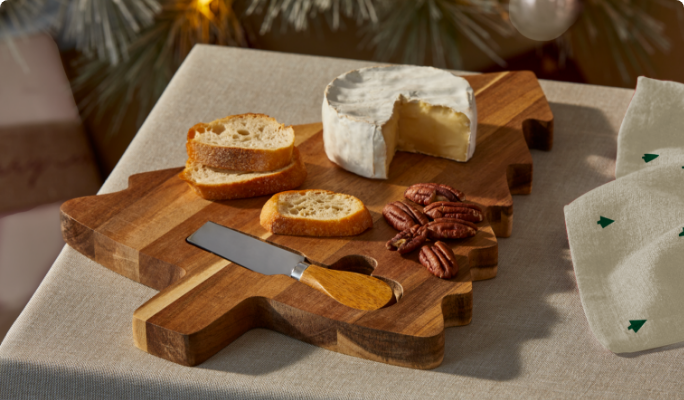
(649, 157)
(636, 324)
(682, 234)
(604, 222)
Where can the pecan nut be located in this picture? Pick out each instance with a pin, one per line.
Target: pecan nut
(402, 216)
(427, 193)
(408, 240)
(450, 228)
(464, 211)
(439, 260)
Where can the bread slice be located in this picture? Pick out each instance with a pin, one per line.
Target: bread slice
(221, 184)
(246, 142)
(315, 213)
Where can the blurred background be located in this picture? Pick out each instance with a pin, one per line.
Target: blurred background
(78, 77)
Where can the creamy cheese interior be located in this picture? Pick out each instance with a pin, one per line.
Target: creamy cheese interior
(419, 127)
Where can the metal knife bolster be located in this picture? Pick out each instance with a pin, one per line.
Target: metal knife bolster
(298, 270)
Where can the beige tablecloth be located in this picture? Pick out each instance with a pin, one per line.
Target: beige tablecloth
(529, 337)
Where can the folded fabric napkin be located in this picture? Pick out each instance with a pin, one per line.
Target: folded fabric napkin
(627, 237)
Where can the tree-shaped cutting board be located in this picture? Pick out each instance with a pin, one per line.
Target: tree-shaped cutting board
(205, 302)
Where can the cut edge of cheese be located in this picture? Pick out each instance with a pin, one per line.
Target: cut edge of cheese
(452, 134)
(413, 118)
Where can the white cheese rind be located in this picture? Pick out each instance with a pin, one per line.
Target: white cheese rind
(357, 105)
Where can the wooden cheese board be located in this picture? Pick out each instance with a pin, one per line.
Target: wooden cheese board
(206, 302)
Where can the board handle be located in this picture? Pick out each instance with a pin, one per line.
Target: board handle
(354, 290)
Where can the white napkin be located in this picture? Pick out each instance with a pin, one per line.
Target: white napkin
(627, 237)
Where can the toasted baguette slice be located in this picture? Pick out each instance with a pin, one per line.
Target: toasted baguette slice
(315, 213)
(221, 184)
(247, 142)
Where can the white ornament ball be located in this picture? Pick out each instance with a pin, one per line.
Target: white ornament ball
(544, 20)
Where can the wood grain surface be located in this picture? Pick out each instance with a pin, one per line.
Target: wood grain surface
(206, 302)
(359, 291)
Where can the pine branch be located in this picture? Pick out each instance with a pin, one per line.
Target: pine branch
(103, 88)
(106, 28)
(627, 29)
(29, 16)
(299, 13)
(409, 24)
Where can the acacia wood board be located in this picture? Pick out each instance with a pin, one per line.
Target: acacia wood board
(206, 302)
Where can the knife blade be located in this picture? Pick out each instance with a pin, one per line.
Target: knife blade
(355, 290)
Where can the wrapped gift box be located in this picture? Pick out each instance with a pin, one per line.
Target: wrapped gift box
(45, 155)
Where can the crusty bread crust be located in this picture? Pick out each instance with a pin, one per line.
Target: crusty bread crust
(289, 178)
(237, 158)
(275, 222)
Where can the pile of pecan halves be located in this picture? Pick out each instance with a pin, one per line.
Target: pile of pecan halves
(451, 219)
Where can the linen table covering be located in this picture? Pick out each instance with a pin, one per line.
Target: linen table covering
(529, 337)
(627, 237)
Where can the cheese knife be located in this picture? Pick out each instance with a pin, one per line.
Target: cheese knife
(354, 290)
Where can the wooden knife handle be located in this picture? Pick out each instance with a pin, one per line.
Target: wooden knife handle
(354, 290)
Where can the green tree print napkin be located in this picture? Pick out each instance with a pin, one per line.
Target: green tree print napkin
(627, 237)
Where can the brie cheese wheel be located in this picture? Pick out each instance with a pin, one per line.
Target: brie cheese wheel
(370, 113)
